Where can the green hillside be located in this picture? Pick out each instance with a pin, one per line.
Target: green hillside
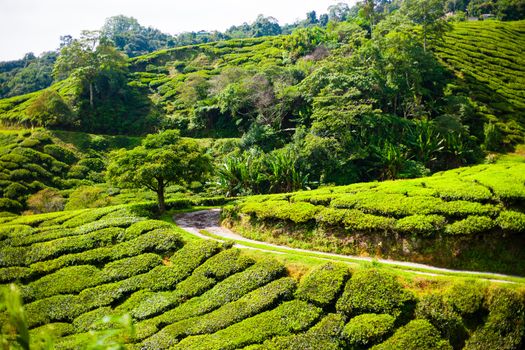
(79, 268)
(488, 61)
(34, 160)
(467, 218)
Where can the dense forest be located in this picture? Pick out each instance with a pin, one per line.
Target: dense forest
(383, 130)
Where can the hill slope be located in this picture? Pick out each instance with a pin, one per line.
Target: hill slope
(77, 267)
(467, 218)
(485, 56)
(488, 58)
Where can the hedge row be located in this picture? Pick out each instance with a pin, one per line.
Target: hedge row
(322, 285)
(247, 306)
(290, 317)
(374, 291)
(159, 278)
(326, 335)
(223, 265)
(463, 201)
(229, 290)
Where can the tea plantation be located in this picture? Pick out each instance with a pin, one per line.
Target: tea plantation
(470, 218)
(488, 61)
(78, 270)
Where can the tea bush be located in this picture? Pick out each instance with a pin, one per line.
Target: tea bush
(368, 329)
(374, 291)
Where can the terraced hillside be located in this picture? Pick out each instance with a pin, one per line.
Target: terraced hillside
(469, 218)
(488, 58)
(79, 269)
(33, 160)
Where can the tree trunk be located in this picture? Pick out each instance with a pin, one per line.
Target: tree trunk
(160, 198)
(91, 95)
(424, 39)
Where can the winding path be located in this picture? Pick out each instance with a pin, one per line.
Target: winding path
(208, 220)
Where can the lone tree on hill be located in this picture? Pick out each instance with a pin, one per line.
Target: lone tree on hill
(162, 159)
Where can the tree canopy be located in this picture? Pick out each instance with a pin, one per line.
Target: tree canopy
(163, 159)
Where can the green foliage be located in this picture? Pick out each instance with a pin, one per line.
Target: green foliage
(466, 297)
(300, 212)
(323, 284)
(420, 224)
(229, 314)
(470, 225)
(163, 159)
(441, 314)
(374, 291)
(50, 110)
(368, 329)
(512, 221)
(326, 334)
(292, 316)
(417, 334)
(87, 197)
(504, 328)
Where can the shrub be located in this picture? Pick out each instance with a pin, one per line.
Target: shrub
(142, 227)
(87, 197)
(299, 212)
(45, 201)
(68, 280)
(331, 216)
(424, 225)
(322, 285)
(15, 191)
(183, 262)
(466, 297)
(60, 153)
(249, 305)
(464, 208)
(356, 220)
(128, 267)
(416, 335)
(505, 326)
(93, 164)
(290, 317)
(471, 225)
(10, 205)
(326, 335)
(216, 268)
(87, 216)
(368, 329)
(373, 291)
(512, 221)
(393, 204)
(229, 290)
(88, 321)
(442, 315)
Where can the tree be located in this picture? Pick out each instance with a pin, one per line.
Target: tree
(311, 17)
(429, 14)
(162, 159)
(132, 38)
(338, 12)
(265, 26)
(87, 58)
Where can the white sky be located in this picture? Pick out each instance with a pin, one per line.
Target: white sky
(36, 25)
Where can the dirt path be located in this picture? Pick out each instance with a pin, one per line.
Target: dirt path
(208, 220)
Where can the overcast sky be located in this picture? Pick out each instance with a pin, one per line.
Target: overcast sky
(36, 25)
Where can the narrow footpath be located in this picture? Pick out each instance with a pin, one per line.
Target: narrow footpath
(208, 221)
